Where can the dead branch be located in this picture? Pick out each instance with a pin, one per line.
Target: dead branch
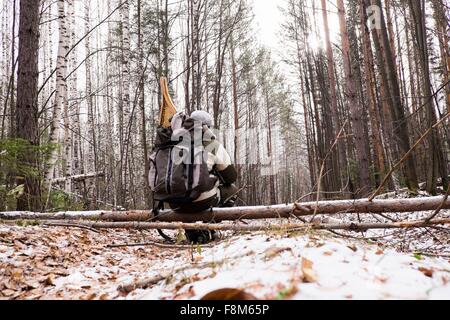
(155, 244)
(70, 225)
(438, 210)
(80, 177)
(252, 228)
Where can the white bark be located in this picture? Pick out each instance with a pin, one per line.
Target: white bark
(74, 108)
(90, 108)
(61, 88)
(67, 155)
(126, 139)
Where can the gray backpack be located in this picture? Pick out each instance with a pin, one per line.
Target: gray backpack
(178, 165)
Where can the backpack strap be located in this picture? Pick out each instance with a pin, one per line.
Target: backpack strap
(157, 207)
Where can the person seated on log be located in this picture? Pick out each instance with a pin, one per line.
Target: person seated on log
(224, 192)
(190, 170)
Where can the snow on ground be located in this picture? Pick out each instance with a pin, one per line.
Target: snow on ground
(62, 263)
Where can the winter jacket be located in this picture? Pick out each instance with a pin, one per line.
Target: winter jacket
(219, 165)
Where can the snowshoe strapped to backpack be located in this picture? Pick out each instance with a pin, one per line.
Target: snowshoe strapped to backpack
(178, 165)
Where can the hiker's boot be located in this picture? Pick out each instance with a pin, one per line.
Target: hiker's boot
(200, 236)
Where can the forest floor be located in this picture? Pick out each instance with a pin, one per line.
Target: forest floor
(39, 262)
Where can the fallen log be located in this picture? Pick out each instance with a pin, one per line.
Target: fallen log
(253, 228)
(79, 215)
(363, 206)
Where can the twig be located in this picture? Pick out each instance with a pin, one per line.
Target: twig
(70, 225)
(319, 183)
(440, 207)
(433, 255)
(155, 244)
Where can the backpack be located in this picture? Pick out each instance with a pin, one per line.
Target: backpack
(179, 172)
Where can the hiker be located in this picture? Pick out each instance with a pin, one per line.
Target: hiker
(190, 170)
(220, 166)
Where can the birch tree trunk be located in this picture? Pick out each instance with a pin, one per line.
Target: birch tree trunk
(91, 192)
(124, 111)
(61, 98)
(73, 95)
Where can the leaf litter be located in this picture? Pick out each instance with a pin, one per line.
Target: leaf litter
(63, 263)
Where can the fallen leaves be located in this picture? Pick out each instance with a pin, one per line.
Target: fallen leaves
(275, 251)
(427, 272)
(37, 263)
(61, 263)
(309, 276)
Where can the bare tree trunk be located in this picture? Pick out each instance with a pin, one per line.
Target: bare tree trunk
(27, 107)
(355, 107)
(235, 106)
(13, 73)
(342, 161)
(141, 102)
(375, 119)
(440, 10)
(91, 192)
(61, 98)
(392, 91)
(74, 107)
(435, 159)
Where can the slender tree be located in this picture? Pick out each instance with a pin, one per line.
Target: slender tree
(27, 127)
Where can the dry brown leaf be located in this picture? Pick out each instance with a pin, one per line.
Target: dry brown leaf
(309, 275)
(17, 274)
(382, 279)
(427, 272)
(229, 294)
(103, 296)
(353, 248)
(10, 285)
(50, 281)
(379, 252)
(275, 251)
(187, 295)
(8, 292)
(198, 259)
(31, 284)
(90, 296)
